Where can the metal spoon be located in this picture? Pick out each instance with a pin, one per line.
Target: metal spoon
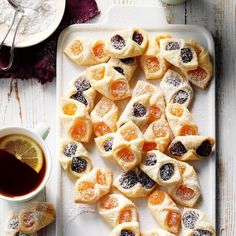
(18, 11)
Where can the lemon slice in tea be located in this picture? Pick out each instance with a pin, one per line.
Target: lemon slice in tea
(25, 149)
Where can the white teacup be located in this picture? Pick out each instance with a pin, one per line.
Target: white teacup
(39, 134)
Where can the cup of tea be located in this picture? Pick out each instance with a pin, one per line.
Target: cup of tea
(25, 162)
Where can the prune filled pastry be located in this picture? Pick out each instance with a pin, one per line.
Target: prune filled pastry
(74, 158)
(117, 209)
(82, 91)
(104, 117)
(127, 146)
(134, 184)
(93, 185)
(157, 232)
(180, 120)
(187, 192)
(35, 216)
(126, 229)
(126, 66)
(202, 75)
(109, 82)
(176, 88)
(127, 43)
(86, 52)
(161, 168)
(195, 222)
(192, 147)
(105, 146)
(75, 119)
(157, 136)
(137, 110)
(165, 211)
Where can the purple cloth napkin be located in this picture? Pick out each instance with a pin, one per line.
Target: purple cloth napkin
(40, 61)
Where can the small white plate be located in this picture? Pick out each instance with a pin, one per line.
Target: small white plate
(26, 40)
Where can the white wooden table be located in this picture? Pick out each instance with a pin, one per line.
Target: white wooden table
(27, 103)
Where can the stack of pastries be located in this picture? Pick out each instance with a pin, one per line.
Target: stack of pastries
(150, 139)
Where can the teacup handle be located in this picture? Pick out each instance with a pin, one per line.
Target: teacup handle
(42, 130)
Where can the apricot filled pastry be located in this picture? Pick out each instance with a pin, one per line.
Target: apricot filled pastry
(93, 185)
(108, 81)
(76, 120)
(126, 229)
(82, 92)
(161, 168)
(157, 136)
(86, 52)
(157, 232)
(104, 117)
(180, 120)
(176, 88)
(165, 211)
(126, 66)
(117, 209)
(137, 111)
(35, 216)
(192, 147)
(134, 184)
(127, 146)
(195, 222)
(187, 192)
(127, 43)
(74, 158)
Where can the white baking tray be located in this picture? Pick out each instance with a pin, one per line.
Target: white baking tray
(83, 220)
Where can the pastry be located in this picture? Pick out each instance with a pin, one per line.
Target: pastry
(157, 136)
(126, 229)
(104, 117)
(161, 168)
(192, 147)
(134, 184)
(81, 91)
(126, 66)
(76, 121)
(93, 185)
(164, 210)
(74, 158)
(105, 145)
(202, 75)
(196, 223)
(127, 146)
(35, 216)
(109, 82)
(187, 192)
(157, 232)
(86, 52)
(137, 110)
(127, 43)
(176, 88)
(180, 120)
(117, 209)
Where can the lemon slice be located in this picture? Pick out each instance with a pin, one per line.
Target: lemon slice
(25, 149)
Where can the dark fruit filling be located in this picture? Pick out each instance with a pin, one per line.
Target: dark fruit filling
(70, 149)
(167, 171)
(189, 219)
(138, 38)
(173, 80)
(22, 234)
(201, 232)
(108, 145)
(128, 60)
(204, 149)
(117, 42)
(139, 110)
(128, 179)
(172, 46)
(120, 70)
(181, 97)
(82, 84)
(14, 223)
(126, 232)
(78, 164)
(150, 160)
(177, 149)
(145, 180)
(80, 98)
(186, 55)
